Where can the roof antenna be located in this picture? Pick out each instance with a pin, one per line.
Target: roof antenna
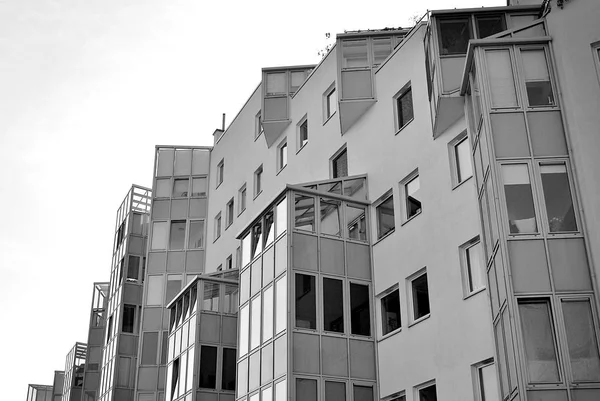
(223, 127)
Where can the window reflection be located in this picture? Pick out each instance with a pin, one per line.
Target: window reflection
(331, 218)
(269, 228)
(357, 225)
(306, 314)
(519, 199)
(304, 215)
(557, 194)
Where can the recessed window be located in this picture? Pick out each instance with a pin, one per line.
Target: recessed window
(230, 212)
(335, 391)
(339, 164)
(177, 237)
(390, 312)
(461, 153)
(208, 367)
(229, 262)
(196, 235)
(473, 266)
(258, 181)
(306, 302)
(385, 216)
(488, 25)
(302, 133)
(557, 194)
(519, 199)
(412, 199)
(581, 340)
(282, 155)
(454, 35)
(217, 226)
(128, 318)
(330, 102)
(333, 305)
(199, 186)
(537, 77)
(419, 296)
(180, 188)
(163, 188)
(242, 199)
(258, 127)
(297, 78)
(403, 107)
(357, 225)
(360, 312)
(382, 47)
(428, 393)
(354, 53)
(487, 384)
(220, 172)
(133, 268)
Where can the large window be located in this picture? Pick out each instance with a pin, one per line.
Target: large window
(537, 77)
(208, 367)
(557, 196)
(419, 296)
(473, 266)
(230, 212)
(519, 199)
(181, 188)
(461, 155)
(306, 297)
(133, 268)
(228, 371)
(385, 216)
(177, 237)
(360, 313)
(333, 305)
(196, 235)
(403, 107)
(390, 311)
(454, 35)
(149, 348)
(502, 81)
(488, 25)
(354, 53)
(339, 164)
(581, 340)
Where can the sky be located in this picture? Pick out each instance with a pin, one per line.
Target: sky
(87, 89)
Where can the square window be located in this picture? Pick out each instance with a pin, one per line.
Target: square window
(242, 199)
(282, 155)
(258, 127)
(258, 181)
(196, 234)
(230, 209)
(410, 188)
(180, 188)
(473, 266)
(302, 133)
(217, 226)
(460, 149)
(329, 102)
(419, 296)
(390, 311)
(454, 35)
(339, 164)
(403, 107)
(385, 215)
(220, 172)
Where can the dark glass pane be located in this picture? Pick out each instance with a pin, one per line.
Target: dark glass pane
(490, 25)
(180, 188)
(331, 219)
(363, 393)
(537, 78)
(454, 36)
(256, 240)
(405, 108)
(385, 217)
(390, 312)
(208, 367)
(306, 311)
(557, 194)
(306, 389)
(177, 238)
(128, 318)
(304, 213)
(133, 268)
(173, 287)
(539, 93)
(335, 391)
(428, 394)
(149, 348)
(340, 165)
(228, 377)
(360, 314)
(304, 133)
(333, 305)
(196, 235)
(420, 296)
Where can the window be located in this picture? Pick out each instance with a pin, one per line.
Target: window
(354, 54)
(133, 268)
(454, 35)
(419, 296)
(173, 286)
(339, 164)
(557, 194)
(488, 25)
(412, 199)
(581, 340)
(199, 186)
(242, 199)
(357, 225)
(330, 102)
(537, 77)
(155, 290)
(382, 47)
(230, 210)
(461, 156)
(502, 81)
(306, 296)
(280, 304)
(487, 384)
(362, 393)
(538, 339)
(128, 318)
(258, 181)
(109, 329)
(385, 216)
(175, 379)
(217, 226)
(360, 313)
(163, 187)
(149, 348)
(302, 133)
(229, 262)
(304, 212)
(333, 305)
(282, 155)
(258, 128)
(596, 54)
(297, 78)
(519, 199)
(180, 188)
(427, 393)
(177, 237)
(208, 367)
(228, 374)
(473, 266)
(267, 314)
(390, 311)
(196, 235)
(335, 391)
(220, 172)
(255, 320)
(403, 107)
(306, 389)
(330, 217)
(276, 83)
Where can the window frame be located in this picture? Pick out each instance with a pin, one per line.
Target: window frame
(596, 56)
(327, 114)
(454, 160)
(478, 383)
(380, 201)
(522, 83)
(242, 195)
(220, 172)
(417, 389)
(403, 92)
(518, 82)
(280, 158)
(334, 158)
(398, 396)
(217, 226)
(299, 127)
(229, 213)
(404, 197)
(258, 184)
(318, 300)
(345, 305)
(379, 312)
(409, 294)
(185, 234)
(258, 127)
(465, 267)
(453, 18)
(190, 221)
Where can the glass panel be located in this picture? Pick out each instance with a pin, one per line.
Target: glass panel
(454, 36)
(149, 348)
(420, 297)
(519, 199)
(331, 103)
(276, 83)
(281, 391)
(200, 161)
(557, 194)
(333, 305)
(242, 378)
(390, 312)
(165, 162)
(244, 332)
(173, 286)
(255, 315)
(331, 218)
(210, 301)
(257, 240)
(363, 393)
(355, 188)
(297, 78)
(196, 239)
(360, 314)
(269, 228)
(267, 394)
(335, 391)
(180, 188)
(475, 269)
(283, 156)
(281, 304)
(488, 383)
(405, 108)
(190, 369)
(306, 313)
(385, 217)
(163, 188)
(267, 314)
(538, 336)
(354, 53)
(281, 224)
(464, 169)
(340, 165)
(155, 290)
(413, 199)
(133, 268)
(246, 249)
(382, 47)
(208, 367)
(199, 186)
(128, 318)
(357, 225)
(428, 394)
(490, 25)
(159, 235)
(228, 376)
(582, 340)
(304, 212)
(502, 81)
(183, 161)
(306, 389)
(537, 78)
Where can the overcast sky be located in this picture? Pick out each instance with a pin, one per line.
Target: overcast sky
(87, 89)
